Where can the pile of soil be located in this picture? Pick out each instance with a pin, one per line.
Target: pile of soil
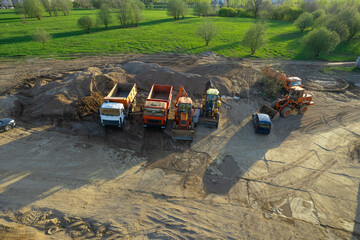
(73, 95)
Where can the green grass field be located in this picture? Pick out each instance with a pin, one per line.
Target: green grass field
(157, 33)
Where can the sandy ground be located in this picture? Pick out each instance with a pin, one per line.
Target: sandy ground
(74, 179)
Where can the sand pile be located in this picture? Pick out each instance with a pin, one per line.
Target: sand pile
(150, 73)
(76, 95)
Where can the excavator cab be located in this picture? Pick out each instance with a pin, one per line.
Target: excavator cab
(184, 111)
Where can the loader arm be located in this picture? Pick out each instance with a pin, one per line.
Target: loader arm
(182, 93)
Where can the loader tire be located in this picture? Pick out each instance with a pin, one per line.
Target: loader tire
(273, 104)
(285, 112)
(303, 109)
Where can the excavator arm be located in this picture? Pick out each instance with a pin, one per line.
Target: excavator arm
(182, 93)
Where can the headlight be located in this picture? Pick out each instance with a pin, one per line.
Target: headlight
(12, 121)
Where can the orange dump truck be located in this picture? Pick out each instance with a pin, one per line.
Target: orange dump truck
(287, 81)
(157, 104)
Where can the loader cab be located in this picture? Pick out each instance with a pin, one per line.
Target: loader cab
(184, 109)
(212, 101)
(297, 93)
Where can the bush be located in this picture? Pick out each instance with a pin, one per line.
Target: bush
(286, 13)
(255, 38)
(202, 8)
(86, 23)
(351, 17)
(318, 13)
(271, 87)
(151, 6)
(320, 40)
(129, 12)
(334, 23)
(33, 9)
(304, 21)
(207, 31)
(177, 8)
(243, 13)
(40, 35)
(227, 12)
(104, 16)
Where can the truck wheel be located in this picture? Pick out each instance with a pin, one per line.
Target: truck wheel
(285, 112)
(303, 109)
(8, 127)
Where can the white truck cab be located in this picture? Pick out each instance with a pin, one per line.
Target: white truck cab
(112, 114)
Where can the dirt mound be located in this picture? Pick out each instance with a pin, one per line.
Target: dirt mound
(78, 94)
(150, 73)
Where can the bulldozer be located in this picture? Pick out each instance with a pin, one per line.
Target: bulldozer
(297, 100)
(183, 126)
(209, 114)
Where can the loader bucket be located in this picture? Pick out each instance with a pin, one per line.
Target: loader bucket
(209, 122)
(269, 111)
(187, 135)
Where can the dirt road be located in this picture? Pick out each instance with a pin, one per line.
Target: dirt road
(74, 179)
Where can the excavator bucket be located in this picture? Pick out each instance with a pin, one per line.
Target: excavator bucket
(269, 111)
(187, 135)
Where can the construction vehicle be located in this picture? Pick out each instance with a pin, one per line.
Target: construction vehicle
(118, 104)
(287, 82)
(211, 103)
(156, 108)
(297, 100)
(183, 126)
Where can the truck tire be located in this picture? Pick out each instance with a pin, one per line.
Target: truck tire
(285, 112)
(303, 109)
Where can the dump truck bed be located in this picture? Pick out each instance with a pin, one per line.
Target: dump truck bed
(124, 93)
(160, 93)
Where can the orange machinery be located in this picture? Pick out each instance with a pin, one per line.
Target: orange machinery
(157, 104)
(287, 81)
(297, 100)
(183, 126)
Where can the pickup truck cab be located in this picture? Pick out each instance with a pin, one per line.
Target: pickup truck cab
(262, 123)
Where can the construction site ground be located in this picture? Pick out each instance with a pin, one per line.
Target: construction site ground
(64, 176)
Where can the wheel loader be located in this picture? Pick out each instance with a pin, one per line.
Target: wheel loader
(287, 81)
(209, 115)
(183, 126)
(297, 100)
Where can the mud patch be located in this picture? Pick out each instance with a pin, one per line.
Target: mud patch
(355, 152)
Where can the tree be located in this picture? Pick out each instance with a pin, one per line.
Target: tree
(129, 12)
(104, 16)
(255, 6)
(40, 35)
(320, 40)
(207, 31)
(86, 23)
(202, 8)
(47, 6)
(33, 9)
(351, 17)
(176, 8)
(304, 20)
(65, 6)
(334, 23)
(255, 38)
(318, 13)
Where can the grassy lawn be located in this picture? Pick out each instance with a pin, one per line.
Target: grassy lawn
(157, 33)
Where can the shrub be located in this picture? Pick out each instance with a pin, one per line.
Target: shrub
(151, 6)
(40, 35)
(202, 8)
(334, 23)
(351, 17)
(177, 8)
(33, 9)
(318, 13)
(104, 16)
(305, 20)
(86, 23)
(129, 12)
(207, 31)
(255, 38)
(320, 40)
(227, 12)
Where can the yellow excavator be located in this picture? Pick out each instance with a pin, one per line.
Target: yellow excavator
(211, 102)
